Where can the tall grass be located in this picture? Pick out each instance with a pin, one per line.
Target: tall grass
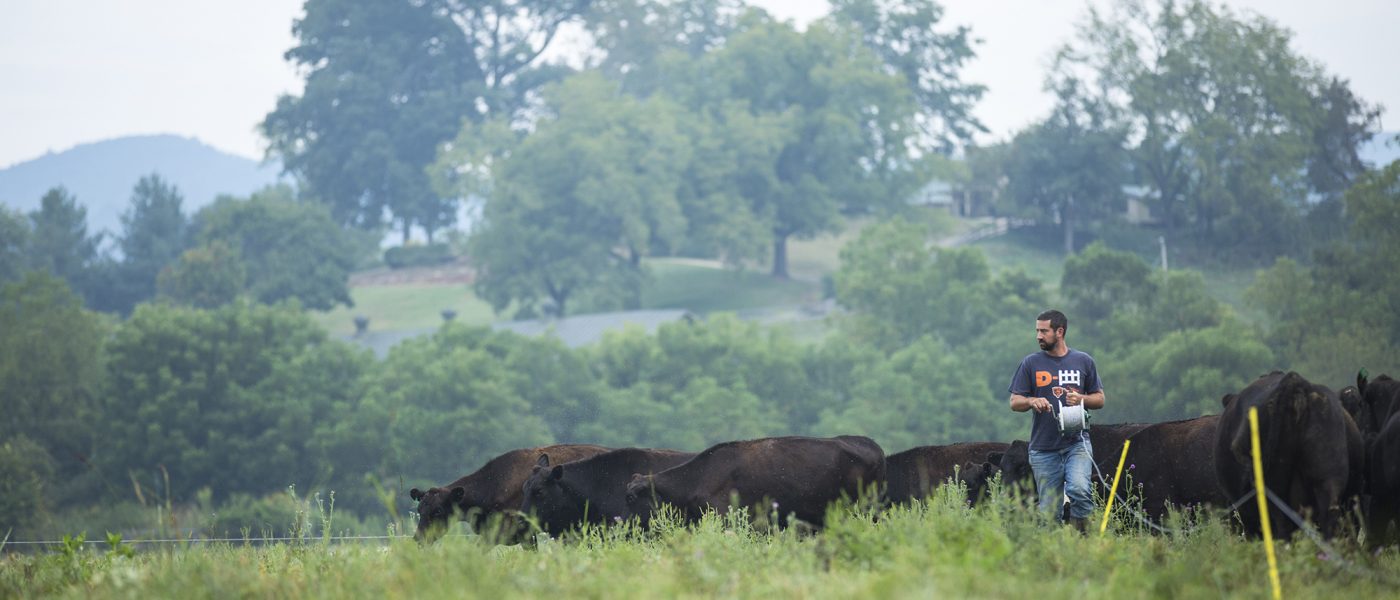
(942, 548)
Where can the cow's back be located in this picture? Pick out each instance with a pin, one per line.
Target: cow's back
(915, 472)
(801, 475)
(497, 485)
(1174, 463)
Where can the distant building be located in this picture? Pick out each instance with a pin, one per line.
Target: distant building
(1139, 205)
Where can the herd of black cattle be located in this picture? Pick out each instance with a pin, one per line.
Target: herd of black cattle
(1328, 454)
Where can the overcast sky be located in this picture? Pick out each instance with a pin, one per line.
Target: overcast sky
(78, 71)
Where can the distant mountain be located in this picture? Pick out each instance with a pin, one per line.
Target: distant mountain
(101, 175)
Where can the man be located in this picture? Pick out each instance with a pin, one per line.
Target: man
(1047, 381)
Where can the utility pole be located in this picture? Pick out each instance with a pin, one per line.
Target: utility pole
(1162, 243)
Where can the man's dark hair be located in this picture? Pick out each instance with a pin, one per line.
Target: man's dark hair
(1056, 318)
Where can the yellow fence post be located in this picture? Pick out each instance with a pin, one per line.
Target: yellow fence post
(1113, 491)
(1263, 503)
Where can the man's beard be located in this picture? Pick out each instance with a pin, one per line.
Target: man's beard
(1046, 344)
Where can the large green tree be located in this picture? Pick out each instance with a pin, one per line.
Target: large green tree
(909, 38)
(1228, 119)
(577, 204)
(227, 398)
(289, 248)
(154, 234)
(14, 241)
(387, 82)
(1070, 167)
(847, 126)
(50, 367)
(59, 242)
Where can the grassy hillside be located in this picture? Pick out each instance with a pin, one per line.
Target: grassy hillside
(706, 286)
(942, 550)
(1041, 254)
(407, 306)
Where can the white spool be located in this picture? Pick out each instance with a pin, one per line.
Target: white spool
(1072, 419)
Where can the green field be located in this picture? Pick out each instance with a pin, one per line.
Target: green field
(706, 289)
(408, 306)
(940, 550)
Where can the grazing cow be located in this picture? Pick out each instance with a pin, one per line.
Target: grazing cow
(592, 489)
(1379, 400)
(495, 488)
(1173, 464)
(1106, 440)
(800, 476)
(1014, 464)
(916, 472)
(1384, 484)
(1310, 450)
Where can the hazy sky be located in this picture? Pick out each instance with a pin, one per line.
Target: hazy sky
(78, 71)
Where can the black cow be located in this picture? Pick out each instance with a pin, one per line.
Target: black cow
(1014, 464)
(1384, 484)
(1173, 464)
(1106, 441)
(592, 489)
(916, 472)
(1379, 400)
(495, 488)
(1310, 450)
(799, 475)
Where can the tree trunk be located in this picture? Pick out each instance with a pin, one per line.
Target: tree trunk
(1069, 227)
(407, 227)
(780, 260)
(633, 299)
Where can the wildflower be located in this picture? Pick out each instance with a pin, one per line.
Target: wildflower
(617, 518)
(1132, 466)
(775, 505)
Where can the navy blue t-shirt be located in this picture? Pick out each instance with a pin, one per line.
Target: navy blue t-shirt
(1037, 375)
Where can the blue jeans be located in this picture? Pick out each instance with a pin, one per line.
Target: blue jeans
(1066, 472)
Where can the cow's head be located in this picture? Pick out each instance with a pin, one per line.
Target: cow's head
(641, 498)
(1015, 466)
(975, 477)
(435, 509)
(546, 498)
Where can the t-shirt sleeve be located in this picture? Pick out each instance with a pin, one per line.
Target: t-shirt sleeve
(1091, 378)
(1021, 381)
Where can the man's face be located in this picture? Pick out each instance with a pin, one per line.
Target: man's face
(1045, 336)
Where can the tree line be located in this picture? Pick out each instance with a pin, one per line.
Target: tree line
(177, 356)
(248, 397)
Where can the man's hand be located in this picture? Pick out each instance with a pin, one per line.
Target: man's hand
(1073, 398)
(1040, 405)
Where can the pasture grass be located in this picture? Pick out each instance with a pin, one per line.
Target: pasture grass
(999, 549)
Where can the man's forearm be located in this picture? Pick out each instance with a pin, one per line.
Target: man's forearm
(1020, 403)
(1093, 401)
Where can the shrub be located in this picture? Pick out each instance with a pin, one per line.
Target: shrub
(401, 257)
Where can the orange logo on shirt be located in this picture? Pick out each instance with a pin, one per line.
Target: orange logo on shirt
(1042, 378)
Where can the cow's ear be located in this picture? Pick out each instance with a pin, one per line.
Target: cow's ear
(994, 458)
(543, 461)
(1361, 380)
(636, 477)
(557, 472)
(415, 493)
(1226, 400)
(458, 493)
